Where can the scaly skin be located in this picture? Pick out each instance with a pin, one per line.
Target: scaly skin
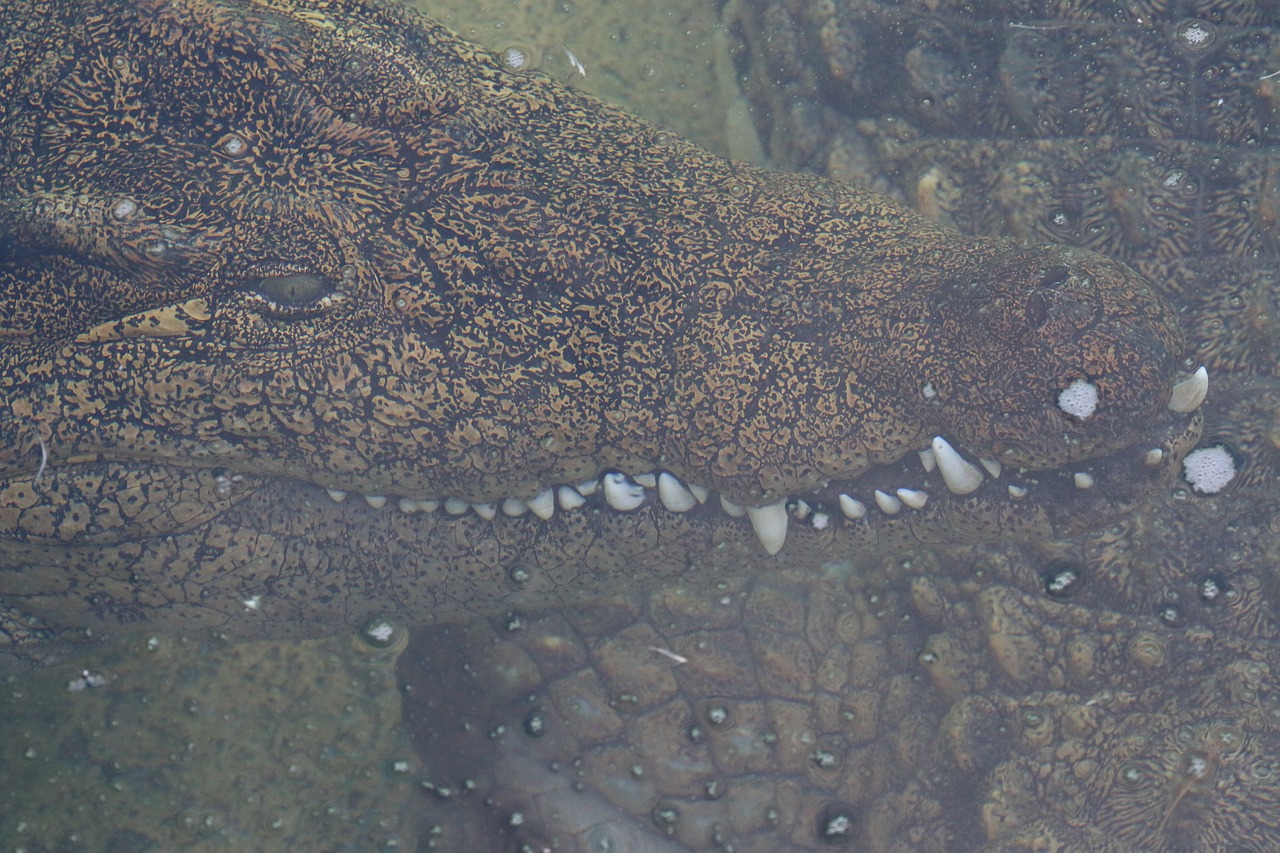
(256, 250)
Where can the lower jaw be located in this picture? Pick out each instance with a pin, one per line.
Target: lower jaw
(184, 549)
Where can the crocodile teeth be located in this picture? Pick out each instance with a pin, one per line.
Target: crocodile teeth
(569, 498)
(486, 511)
(913, 498)
(456, 506)
(376, 501)
(674, 495)
(514, 507)
(408, 505)
(993, 466)
(337, 495)
(960, 475)
(731, 508)
(1190, 393)
(700, 492)
(1082, 480)
(588, 488)
(621, 494)
(926, 459)
(543, 505)
(770, 525)
(888, 504)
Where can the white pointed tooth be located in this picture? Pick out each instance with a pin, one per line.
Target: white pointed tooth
(801, 509)
(456, 506)
(1017, 492)
(336, 495)
(700, 492)
(927, 460)
(993, 466)
(622, 494)
(960, 475)
(888, 504)
(514, 507)
(1083, 480)
(731, 508)
(649, 481)
(852, 507)
(770, 525)
(376, 501)
(1154, 456)
(588, 488)
(409, 506)
(543, 504)
(913, 498)
(820, 521)
(486, 511)
(674, 495)
(1190, 393)
(569, 498)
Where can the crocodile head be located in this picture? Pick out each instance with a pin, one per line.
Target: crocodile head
(314, 311)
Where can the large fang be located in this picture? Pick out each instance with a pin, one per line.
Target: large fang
(960, 475)
(1190, 393)
(770, 525)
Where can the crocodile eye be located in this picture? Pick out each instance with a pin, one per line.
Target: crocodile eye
(292, 290)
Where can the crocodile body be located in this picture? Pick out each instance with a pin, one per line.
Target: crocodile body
(263, 257)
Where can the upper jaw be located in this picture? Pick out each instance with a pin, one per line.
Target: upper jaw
(932, 493)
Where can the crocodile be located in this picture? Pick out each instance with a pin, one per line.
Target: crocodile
(316, 312)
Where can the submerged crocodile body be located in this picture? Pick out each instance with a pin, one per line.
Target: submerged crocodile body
(260, 257)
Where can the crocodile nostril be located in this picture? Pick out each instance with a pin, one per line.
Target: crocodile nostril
(293, 290)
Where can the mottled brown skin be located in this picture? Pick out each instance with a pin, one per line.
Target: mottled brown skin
(971, 698)
(249, 253)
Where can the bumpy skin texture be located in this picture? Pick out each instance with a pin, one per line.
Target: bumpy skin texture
(253, 250)
(1114, 692)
